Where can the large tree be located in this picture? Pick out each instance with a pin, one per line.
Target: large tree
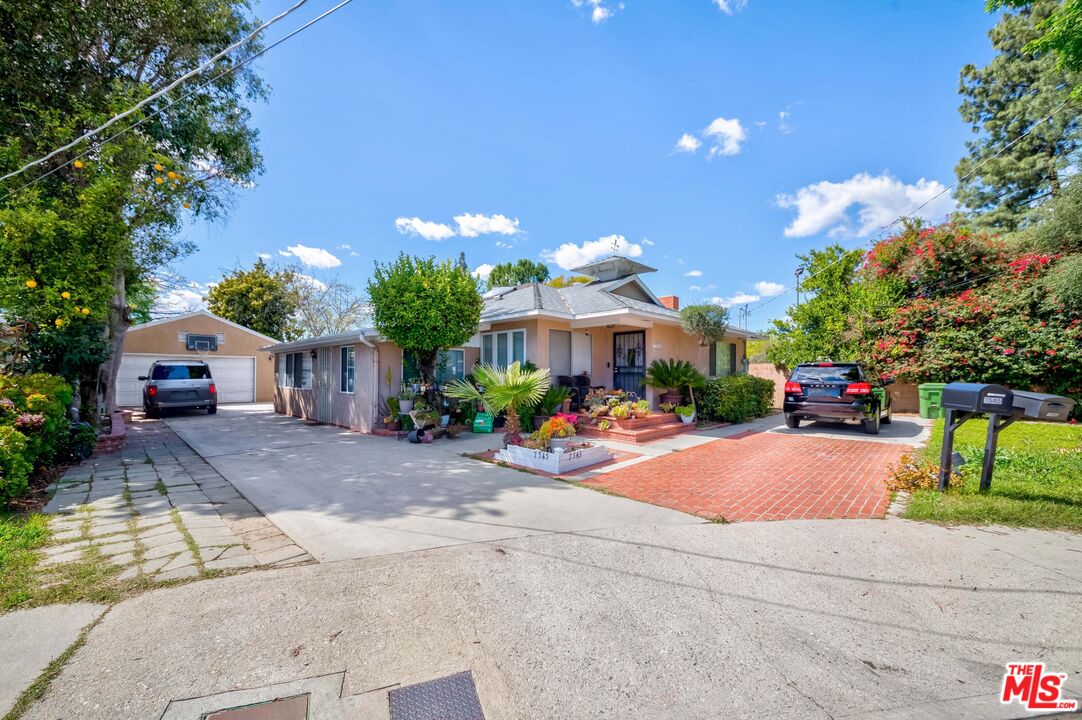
(1060, 32)
(100, 224)
(261, 298)
(326, 307)
(424, 306)
(509, 274)
(1007, 171)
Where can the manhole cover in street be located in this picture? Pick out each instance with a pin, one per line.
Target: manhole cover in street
(290, 708)
(448, 698)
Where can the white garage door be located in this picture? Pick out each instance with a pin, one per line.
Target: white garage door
(233, 376)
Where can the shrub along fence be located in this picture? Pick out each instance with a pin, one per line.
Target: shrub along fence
(735, 398)
(35, 431)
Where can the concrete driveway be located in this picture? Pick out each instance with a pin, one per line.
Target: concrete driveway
(342, 495)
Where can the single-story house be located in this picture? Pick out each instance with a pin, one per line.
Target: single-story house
(609, 329)
(241, 372)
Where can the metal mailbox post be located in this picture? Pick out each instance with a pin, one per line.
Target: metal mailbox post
(962, 401)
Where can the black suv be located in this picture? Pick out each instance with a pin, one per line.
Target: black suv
(834, 391)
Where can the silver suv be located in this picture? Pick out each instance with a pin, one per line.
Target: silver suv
(178, 384)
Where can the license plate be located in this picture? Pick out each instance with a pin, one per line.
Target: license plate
(823, 392)
(183, 395)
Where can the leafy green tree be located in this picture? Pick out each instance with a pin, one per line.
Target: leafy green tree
(96, 224)
(1005, 99)
(260, 298)
(1061, 33)
(508, 274)
(834, 318)
(562, 281)
(424, 306)
(707, 322)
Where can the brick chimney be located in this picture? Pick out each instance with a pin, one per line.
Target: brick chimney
(670, 301)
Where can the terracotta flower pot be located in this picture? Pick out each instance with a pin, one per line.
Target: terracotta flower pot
(673, 398)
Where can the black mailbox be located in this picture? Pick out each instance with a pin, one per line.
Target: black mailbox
(978, 398)
(1042, 405)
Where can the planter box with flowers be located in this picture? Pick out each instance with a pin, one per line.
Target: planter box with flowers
(574, 457)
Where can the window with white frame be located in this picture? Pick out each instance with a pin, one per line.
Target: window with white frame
(450, 365)
(295, 370)
(347, 368)
(503, 347)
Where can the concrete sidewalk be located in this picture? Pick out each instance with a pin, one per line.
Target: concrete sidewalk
(811, 619)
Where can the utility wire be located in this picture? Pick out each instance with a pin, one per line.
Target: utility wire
(180, 99)
(153, 96)
(883, 230)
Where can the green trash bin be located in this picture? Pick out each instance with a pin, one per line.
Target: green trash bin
(931, 395)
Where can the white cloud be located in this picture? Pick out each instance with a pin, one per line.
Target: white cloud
(182, 298)
(423, 228)
(738, 299)
(695, 287)
(343, 246)
(482, 271)
(648, 242)
(570, 256)
(311, 256)
(783, 121)
(600, 11)
(265, 256)
(726, 135)
(730, 6)
(880, 200)
(769, 289)
(474, 225)
(687, 143)
(693, 273)
(314, 283)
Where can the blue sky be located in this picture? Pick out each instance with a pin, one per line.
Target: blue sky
(718, 139)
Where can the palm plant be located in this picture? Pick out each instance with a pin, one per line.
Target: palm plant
(674, 376)
(504, 389)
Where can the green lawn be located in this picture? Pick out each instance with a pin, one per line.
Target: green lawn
(20, 536)
(1037, 480)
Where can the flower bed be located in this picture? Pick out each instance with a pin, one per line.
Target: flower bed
(560, 461)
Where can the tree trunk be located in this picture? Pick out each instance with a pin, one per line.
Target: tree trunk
(1053, 176)
(426, 364)
(119, 321)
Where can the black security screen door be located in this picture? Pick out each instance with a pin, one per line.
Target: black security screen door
(629, 361)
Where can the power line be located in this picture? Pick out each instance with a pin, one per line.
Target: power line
(883, 230)
(91, 133)
(171, 103)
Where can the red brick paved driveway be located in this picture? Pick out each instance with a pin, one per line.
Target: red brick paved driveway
(764, 476)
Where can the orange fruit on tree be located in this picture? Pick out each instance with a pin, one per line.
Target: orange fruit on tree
(85, 311)
(59, 322)
(31, 284)
(78, 164)
(66, 295)
(158, 167)
(158, 180)
(172, 175)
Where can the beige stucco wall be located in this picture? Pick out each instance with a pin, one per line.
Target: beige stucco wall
(164, 339)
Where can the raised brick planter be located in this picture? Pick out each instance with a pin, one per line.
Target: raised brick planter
(638, 430)
(116, 437)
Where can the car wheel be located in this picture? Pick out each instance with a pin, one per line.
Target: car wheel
(889, 416)
(792, 421)
(872, 426)
(151, 412)
(212, 410)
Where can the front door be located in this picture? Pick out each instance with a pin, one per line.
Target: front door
(629, 361)
(324, 384)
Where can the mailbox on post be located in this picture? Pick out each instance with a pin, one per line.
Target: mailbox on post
(962, 401)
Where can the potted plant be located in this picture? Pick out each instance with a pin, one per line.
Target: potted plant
(672, 376)
(405, 399)
(504, 389)
(667, 407)
(551, 401)
(559, 431)
(686, 413)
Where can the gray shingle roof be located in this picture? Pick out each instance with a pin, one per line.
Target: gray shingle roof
(585, 299)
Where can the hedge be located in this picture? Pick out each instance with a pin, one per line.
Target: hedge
(35, 430)
(735, 398)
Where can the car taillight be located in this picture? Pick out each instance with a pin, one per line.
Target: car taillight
(861, 388)
(824, 364)
(793, 388)
(152, 391)
(213, 389)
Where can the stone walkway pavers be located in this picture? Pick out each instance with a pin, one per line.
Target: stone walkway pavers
(158, 510)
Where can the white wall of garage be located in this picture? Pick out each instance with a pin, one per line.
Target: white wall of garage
(234, 376)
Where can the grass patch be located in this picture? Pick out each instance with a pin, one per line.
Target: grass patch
(1037, 480)
(20, 537)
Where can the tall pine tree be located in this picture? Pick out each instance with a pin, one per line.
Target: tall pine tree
(1002, 101)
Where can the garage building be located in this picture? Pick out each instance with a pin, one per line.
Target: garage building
(241, 373)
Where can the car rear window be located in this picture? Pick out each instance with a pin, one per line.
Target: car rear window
(832, 373)
(180, 372)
